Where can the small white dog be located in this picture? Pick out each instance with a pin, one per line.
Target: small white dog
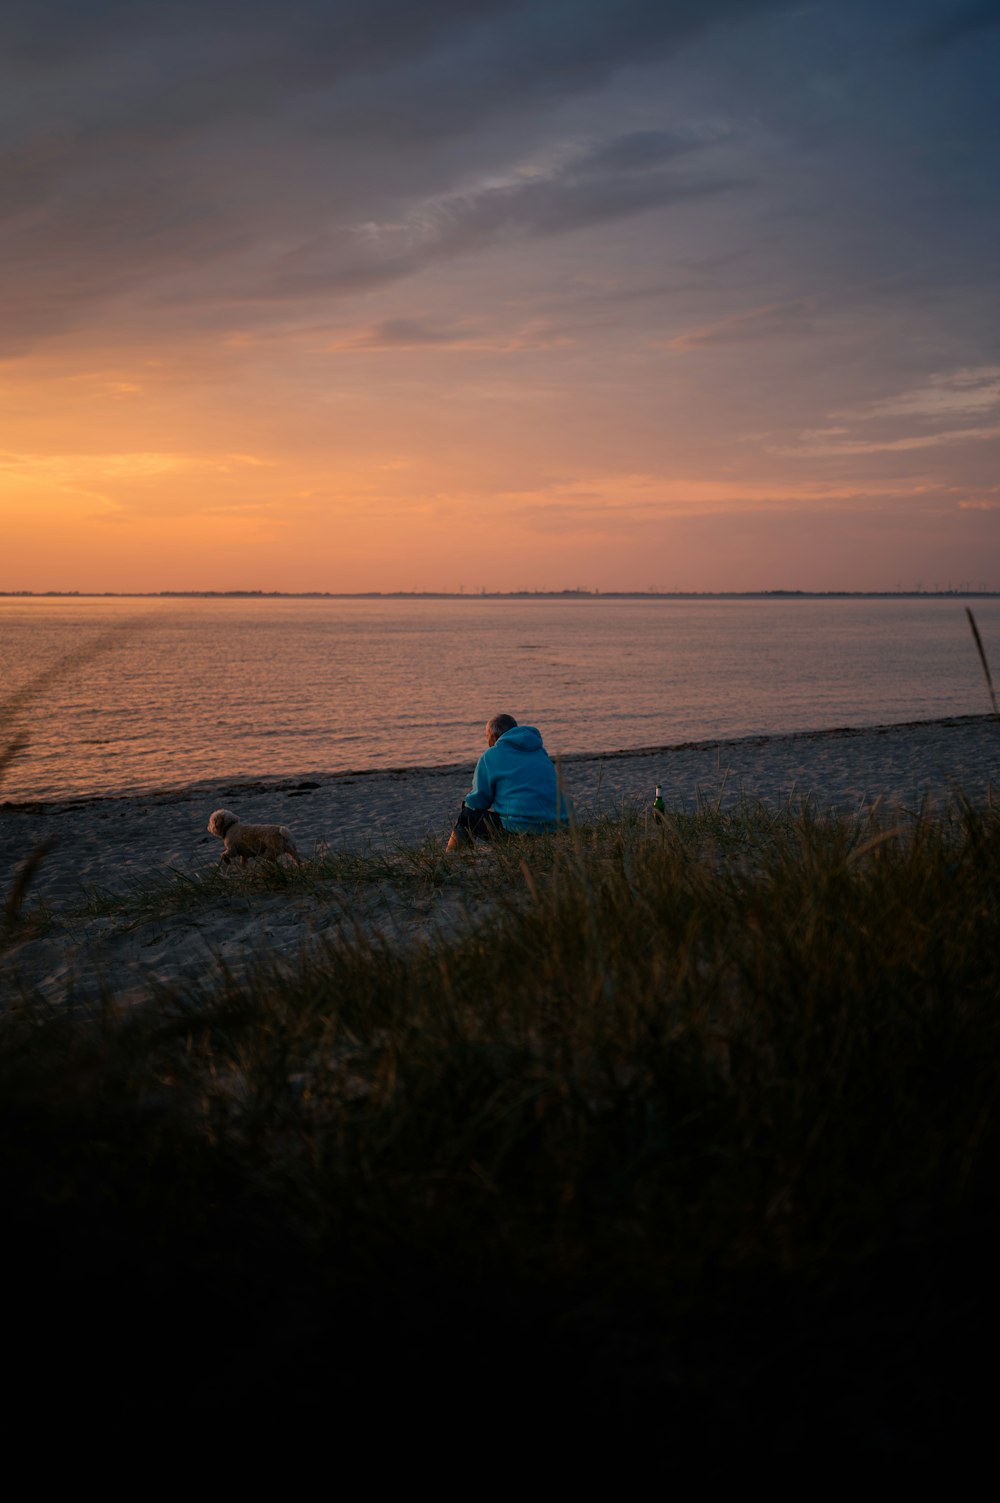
(246, 841)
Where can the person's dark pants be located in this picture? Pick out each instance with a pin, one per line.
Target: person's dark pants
(477, 824)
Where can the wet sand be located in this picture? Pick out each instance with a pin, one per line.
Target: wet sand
(112, 844)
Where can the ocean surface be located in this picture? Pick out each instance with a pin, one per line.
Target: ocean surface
(136, 694)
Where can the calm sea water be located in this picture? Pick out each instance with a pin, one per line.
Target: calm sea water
(194, 689)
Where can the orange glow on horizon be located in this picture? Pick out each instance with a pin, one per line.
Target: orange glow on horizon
(207, 467)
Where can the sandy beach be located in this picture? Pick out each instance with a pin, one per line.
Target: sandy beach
(114, 845)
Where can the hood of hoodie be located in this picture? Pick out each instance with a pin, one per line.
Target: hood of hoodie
(521, 738)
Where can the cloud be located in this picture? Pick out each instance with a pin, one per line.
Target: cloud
(887, 445)
(971, 390)
(92, 466)
(612, 498)
(645, 150)
(128, 240)
(188, 147)
(100, 476)
(89, 88)
(753, 324)
(577, 195)
(428, 334)
(921, 417)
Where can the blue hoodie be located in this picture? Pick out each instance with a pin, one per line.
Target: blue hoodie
(516, 777)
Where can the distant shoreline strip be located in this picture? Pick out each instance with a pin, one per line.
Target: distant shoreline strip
(503, 595)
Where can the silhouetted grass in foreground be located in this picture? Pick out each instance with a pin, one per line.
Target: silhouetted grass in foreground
(694, 1138)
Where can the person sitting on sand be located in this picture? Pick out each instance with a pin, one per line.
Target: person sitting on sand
(515, 789)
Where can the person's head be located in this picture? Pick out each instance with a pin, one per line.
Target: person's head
(496, 727)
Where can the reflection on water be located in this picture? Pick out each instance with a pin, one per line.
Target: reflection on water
(252, 688)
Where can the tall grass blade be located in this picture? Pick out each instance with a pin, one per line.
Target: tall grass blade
(13, 743)
(23, 878)
(982, 658)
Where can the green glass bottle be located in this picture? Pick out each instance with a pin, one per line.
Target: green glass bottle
(659, 809)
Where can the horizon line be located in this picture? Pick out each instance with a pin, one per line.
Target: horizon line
(579, 593)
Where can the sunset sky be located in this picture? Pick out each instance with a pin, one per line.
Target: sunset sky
(441, 294)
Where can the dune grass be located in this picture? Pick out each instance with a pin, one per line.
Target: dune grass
(689, 1140)
(695, 1129)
